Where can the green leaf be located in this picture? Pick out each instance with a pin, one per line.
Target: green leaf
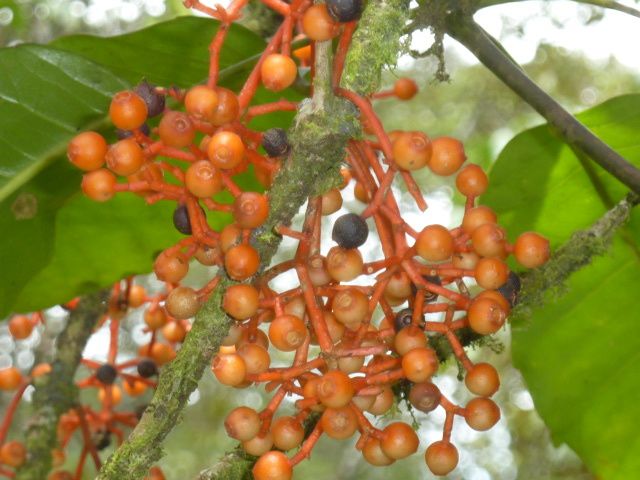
(578, 353)
(47, 97)
(538, 184)
(169, 53)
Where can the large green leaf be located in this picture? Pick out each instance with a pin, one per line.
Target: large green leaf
(169, 53)
(45, 97)
(578, 353)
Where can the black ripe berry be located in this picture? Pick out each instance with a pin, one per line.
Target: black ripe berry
(345, 10)
(106, 374)
(350, 231)
(102, 439)
(147, 368)
(122, 134)
(428, 296)
(403, 319)
(511, 288)
(154, 100)
(181, 220)
(275, 143)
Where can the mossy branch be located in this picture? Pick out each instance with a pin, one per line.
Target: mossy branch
(574, 254)
(322, 128)
(56, 392)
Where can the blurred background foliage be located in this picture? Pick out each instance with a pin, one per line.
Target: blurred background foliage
(473, 106)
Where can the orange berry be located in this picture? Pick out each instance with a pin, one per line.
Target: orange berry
(20, 327)
(491, 273)
(241, 261)
(303, 53)
(372, 453)
(278, 72)
(489, 240)
(472, 181)
(287, 433)
(382, 403)
(176, 130)
(531, 250)
(225, 150)
(116, 394)
(344, 264)
(202, 179)
(335, 389)
(229, 369)
(251, 209)
(481, 414)
(287, 332)
(155, 317)
(134, 388)
(331, 201)
(13, 454)
(171, 267)
(256, 357)
(405, 88)
(434, 243)
(99, 185)
(241, 301)
(125, 157)
(258, 445)
(447, 156)
(477, 216)
(137, 296)
(273, 466)
(228, 107)
(201, 101)
(87, 151)
(127, 110)
(399, 440)
(339, 423)
(230, 235)
(174, 332)
(409, 338)
(420, 364)
(182, 303)
(441, 457)
(10, 378)
(40, 369)
(350, 307)
(242, 423)
(482, 380)
(412, 150)
(424, 396)
(486, 316)
(318, 25)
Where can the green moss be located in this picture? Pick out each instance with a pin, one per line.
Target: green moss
(375, 45)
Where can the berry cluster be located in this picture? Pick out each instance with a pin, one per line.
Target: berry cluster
(356, 332)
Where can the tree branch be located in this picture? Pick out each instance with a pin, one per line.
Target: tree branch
(56, 392)
(487, 50)
(574, 254)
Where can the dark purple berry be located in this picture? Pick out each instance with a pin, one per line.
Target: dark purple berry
(102, 439)
(350, 231)
(345, 10)
(122, 134)
(511, 288)
(181, 220)
(403, 318)
(147, 368)
(106, 374)
(275, 143)
(424, 396)
(154, 100)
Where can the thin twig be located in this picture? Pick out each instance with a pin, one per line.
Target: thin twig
(486, 49)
